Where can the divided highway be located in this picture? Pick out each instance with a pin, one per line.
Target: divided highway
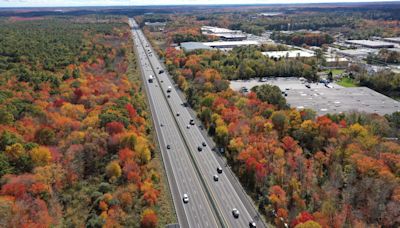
(180, 170)
(188, 144)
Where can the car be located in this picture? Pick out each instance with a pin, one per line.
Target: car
(188, 126)
(308, 86)
(215, 177)
(199, 148)
(235, 213)
(191, 122)
(160, 71)
(169, 89)
(204, 144)
(252, 224)
(177, 114)
(168, 147)
(219, 170)
(162, 81)
(185, 198)
(168, 96)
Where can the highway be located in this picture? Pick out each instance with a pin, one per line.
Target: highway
(225, 194)
(181, 173)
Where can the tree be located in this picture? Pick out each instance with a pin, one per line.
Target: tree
(149, 219)
(271, 94)
(113, 170)
(45, 136)
(40, 156)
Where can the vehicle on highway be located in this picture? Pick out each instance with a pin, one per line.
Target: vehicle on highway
(151, 78)
(219, 170)
(168, 96)
(169, 89)
(252, 224)
(204, 144)
(215, 177)
(308, 86)
(177, 114)
(162, 81)
(191, 122)
(160, 71)
(199, 148)
(235, 213)
(185, 198)
(168, 147)
(188, 126)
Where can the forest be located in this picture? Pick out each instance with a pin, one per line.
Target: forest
(76, 141)
(314, 171)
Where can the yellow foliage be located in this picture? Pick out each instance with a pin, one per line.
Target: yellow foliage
(309, 224)
(113, 169)
(15, 151)
(91, 121)
(142, 148)
(40, 156)
(73, 111)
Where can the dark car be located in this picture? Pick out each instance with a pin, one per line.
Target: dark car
(168, 96)
(215, 177)
(191, 122)
(219, 170)
(160, 71)
(235, 213)
(199, 148)
(168, 147)
(204, 144)
(252, 224)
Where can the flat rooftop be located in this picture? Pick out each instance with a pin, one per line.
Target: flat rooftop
(392, 39)
(289, 54)
(191, 46)
(370, 43)
(231, 43)
(328, 100)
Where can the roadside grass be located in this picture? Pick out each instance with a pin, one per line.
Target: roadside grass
(347, 82)
(335, 71)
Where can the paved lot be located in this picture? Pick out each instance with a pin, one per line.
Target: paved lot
(328, 100)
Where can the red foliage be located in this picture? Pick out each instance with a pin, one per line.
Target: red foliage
(114, 127)
(302, 218)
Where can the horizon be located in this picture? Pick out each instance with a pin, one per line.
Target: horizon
(125, 3)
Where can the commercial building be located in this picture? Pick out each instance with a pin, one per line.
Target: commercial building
(289, 54)
(191, 46)
(223, 33)
(370, 43)
(231, 44)
(393, 40)
(336, 61)
(357, 53)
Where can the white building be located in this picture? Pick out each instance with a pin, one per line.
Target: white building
(289, 54)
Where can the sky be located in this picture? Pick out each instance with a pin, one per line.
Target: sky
(49, 3)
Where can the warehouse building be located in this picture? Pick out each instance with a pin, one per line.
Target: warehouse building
(393, 40)
(370, 43)
(191, 46)
(289, 54)
(223, 33)
(231, 44)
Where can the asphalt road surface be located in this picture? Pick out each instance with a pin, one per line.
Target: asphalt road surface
(196, 178)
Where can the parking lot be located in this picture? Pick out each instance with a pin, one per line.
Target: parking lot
(328, 100)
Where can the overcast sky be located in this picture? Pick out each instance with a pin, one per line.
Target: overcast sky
(40, 3)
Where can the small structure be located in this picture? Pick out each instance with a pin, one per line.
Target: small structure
(370, 43)
(357, 53)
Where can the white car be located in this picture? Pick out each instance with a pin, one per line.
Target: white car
(185, 198)
(235, 213)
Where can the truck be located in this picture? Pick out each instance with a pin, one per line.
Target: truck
(151, 78)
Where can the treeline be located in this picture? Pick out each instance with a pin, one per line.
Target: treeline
(299, 39)
(385, 82)
(75, 143)
(247, 63)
